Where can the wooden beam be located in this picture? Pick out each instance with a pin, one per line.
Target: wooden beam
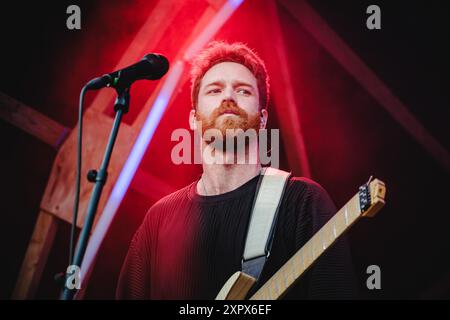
(350, 61)
(146, 39)
(58, 197)
(60, 190)
(103, 225)
(283, 95)
(32, 122)
(35, 256)
(201, 24)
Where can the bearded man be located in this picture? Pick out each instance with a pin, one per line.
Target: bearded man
(192, 240)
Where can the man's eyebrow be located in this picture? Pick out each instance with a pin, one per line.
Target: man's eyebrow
(215, 83)
(242, 84)
(219, 83)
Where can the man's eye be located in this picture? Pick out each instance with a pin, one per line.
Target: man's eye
(244, 91)
(213, 91)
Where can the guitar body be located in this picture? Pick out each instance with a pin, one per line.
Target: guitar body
(237, 287)
(366, 203)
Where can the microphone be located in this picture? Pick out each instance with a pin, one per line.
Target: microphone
(151, 67)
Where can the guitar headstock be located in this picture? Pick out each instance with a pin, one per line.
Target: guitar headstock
(371, 197)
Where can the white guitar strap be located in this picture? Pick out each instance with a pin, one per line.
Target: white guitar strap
(263, 219)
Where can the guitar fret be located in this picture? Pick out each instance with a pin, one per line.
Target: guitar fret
(346, 216)
(277, 288)
(274, 293)
(356, 209)
(282, 284)
(295, 263)
(323, 242)
(298, 264)
(357, 206)
(260, 295)
(293, 272)
(306, 256)
(340, 225)
(286, 280)
(330, 237)
(282, 281)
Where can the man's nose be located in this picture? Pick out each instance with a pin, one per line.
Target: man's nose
(229, 94)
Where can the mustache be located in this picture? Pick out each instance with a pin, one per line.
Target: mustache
(229, 106)
(243, 120)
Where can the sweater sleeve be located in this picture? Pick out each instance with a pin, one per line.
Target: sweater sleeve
(133, 279)
(332, 275)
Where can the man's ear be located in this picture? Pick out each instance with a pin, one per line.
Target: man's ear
(264, 116)
(192, 120)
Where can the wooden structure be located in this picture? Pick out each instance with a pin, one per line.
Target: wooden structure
(57, 200)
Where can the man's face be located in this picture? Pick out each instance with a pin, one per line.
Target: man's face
(228, 98)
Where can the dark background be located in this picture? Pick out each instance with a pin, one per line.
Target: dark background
(348, 135)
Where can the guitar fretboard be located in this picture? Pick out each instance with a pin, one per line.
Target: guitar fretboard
(313, 249)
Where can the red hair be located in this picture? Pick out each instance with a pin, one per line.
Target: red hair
(220, 51)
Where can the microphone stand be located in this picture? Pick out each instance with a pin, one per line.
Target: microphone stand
(121, 106)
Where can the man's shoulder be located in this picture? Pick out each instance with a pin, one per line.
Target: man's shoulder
(303, 184)
(302, 190)
(164, 207)
(175, 197)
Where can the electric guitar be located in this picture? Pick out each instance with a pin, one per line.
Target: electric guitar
(365, 203)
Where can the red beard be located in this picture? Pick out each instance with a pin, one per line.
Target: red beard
(241, 119)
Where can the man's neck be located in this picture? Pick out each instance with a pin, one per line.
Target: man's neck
(217, 179)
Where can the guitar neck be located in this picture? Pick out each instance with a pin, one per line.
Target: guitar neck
(282, 280)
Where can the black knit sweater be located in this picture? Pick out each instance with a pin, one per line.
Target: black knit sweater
(189, 245)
